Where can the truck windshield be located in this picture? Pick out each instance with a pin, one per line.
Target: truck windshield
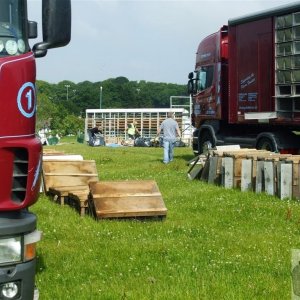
(205, 77)
(13, 28)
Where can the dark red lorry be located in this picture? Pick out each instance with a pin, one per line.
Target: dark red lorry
(20, 150)
(246, 84)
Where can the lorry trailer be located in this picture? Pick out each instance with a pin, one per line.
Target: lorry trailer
(246, 85)
(20, 150)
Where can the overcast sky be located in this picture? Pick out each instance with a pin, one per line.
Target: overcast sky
(141, 40)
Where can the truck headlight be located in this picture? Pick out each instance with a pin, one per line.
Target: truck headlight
(17, 249)
(10, 250)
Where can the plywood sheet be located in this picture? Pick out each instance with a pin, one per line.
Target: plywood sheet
(119, 199)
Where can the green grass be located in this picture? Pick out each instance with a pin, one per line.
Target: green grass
(214, 243)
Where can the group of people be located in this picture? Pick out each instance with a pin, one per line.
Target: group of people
(169, 129)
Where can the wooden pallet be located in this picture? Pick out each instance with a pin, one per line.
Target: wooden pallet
(123, 199)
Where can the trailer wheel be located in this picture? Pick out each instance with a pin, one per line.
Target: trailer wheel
(206, 143)
(266, 144)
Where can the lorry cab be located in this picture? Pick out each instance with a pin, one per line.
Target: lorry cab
(206, 83)
(20, 150)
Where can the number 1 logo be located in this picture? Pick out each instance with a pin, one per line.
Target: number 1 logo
(26, 100)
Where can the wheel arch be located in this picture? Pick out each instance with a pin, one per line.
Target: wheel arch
(210, 129)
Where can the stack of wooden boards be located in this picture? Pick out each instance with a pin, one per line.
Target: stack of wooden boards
(76, 182)
(250, 170)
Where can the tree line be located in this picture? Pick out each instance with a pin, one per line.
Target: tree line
(61, 107)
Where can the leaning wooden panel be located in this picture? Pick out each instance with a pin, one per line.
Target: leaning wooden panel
(68, 173)
(227, 172)
(270, 177)
(238, 157)
(294, 160)
(247, 175)
(286, 180)
(119, 199)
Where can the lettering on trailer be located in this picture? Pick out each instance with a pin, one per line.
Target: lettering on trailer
(252, 108)
(252, 97)
(26, 100)
(247, 81)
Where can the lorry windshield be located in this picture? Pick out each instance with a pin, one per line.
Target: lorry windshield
(13, 28)
(205, 77)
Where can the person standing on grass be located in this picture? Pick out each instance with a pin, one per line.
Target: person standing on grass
(169, 127)
(132, 131)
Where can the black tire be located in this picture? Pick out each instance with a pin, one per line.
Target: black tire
(206, 142)
(266, 143)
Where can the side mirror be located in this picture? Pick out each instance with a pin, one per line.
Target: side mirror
(191, 75)
(191, 87)
(56, 26)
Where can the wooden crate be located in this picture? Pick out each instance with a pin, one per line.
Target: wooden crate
(122, 199)
(63, 177)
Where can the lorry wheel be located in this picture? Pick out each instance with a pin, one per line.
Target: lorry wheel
(266, 144)
(206, 143)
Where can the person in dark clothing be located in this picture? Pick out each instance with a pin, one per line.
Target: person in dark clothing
(96, 137)
(95, 130)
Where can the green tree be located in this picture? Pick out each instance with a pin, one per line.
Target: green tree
(71, 125)
(66, 98)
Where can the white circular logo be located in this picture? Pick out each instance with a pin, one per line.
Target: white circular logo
(26, 100)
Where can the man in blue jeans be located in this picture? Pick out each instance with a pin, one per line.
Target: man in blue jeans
(169, 127)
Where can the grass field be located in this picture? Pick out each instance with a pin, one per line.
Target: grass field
(214, 243)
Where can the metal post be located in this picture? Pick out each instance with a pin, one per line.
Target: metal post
(67, 86)
(100, 97)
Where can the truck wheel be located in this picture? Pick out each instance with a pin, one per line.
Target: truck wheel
(206, 143)
(266, 144)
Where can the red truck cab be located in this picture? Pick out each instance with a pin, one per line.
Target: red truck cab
(211, 71)
(20, 150)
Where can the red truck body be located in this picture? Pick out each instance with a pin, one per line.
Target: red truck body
(247, 85)
(20, 150)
